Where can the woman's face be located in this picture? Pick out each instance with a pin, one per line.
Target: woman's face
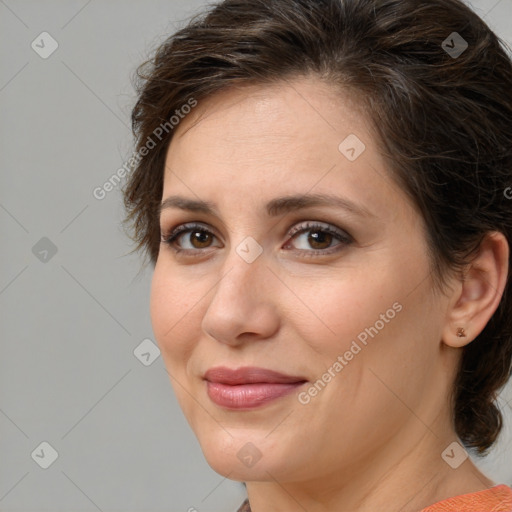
(335, 298)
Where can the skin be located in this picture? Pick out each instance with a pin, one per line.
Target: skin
(372, 438)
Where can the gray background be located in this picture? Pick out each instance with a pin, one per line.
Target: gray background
(70, 321)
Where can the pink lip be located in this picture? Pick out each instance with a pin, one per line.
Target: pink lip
(248, 387)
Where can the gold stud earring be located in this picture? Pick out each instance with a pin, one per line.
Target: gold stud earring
(461, 333)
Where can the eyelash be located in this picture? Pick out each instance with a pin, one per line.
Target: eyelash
(344, 238)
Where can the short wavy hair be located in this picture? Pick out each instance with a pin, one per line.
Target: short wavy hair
(441, 111)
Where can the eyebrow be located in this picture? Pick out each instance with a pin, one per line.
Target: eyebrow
(275, 207)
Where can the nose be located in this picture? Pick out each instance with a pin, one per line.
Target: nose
(242, 307)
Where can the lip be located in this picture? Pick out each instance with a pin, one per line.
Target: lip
(248, 387)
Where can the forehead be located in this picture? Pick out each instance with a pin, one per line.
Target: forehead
(276, 113)
(292, 136)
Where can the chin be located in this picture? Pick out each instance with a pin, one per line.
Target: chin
(242, 457)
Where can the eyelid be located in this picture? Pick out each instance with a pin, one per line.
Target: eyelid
(327, 227)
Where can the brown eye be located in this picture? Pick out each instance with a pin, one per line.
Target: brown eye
(320, 239)
(311, 239)
(200, 239)
(189, 237)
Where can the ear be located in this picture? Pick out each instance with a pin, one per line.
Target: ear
(478, 292)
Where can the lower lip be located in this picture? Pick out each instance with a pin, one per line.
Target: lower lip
(248, 396)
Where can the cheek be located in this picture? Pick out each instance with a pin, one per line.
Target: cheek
(386, 337)
(340, 310)
(372, 320)
(176, 326)
(172, 309)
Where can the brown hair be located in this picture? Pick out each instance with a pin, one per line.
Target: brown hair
(442, 113)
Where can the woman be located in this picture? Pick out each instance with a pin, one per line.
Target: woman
(324, 191)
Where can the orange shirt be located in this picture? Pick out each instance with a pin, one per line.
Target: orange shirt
(495, 499)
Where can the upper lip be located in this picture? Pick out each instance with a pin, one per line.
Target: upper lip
(249, 375)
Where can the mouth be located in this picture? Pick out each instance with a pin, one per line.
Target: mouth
(248, 387)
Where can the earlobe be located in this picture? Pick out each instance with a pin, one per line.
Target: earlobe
(479, 292)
